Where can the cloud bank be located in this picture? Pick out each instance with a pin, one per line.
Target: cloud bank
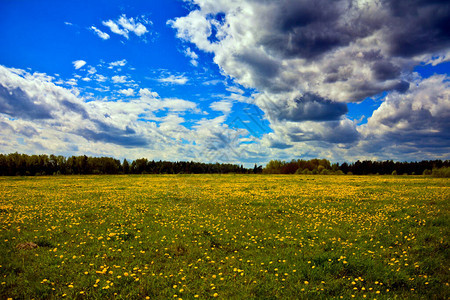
(308, 59)
(37, 116)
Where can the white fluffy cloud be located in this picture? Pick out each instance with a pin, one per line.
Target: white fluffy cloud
(119, 63)
(222, 106)
(174, 79)
(123, 26)
(78, 64)
(127, 92)
(99, 33)
(38, 116)
(192, 55)
(119, 79)
(418, 120)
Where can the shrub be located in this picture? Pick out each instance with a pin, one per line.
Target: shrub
(443, 172)
(426, 172)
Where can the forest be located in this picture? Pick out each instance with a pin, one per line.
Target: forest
(15, 164)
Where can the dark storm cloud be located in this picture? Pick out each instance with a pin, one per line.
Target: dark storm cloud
(16, 103)
(310, 28)
(336, 132)
(384, 70)
(280, 145)
(419, 26)
(75, 107)
(113, 136)
(308, 107)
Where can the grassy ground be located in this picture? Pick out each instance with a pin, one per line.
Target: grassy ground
(225, 236)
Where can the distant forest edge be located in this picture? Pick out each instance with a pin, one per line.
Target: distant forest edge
(16, 164)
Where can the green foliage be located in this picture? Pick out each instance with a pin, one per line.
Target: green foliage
(298, 166)
(426, 172)
(441, 172)
(15, 164)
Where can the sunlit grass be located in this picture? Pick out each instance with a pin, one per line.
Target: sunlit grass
(224, 236)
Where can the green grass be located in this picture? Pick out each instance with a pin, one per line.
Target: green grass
(225, 236)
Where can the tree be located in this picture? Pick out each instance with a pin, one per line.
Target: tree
(125, 167)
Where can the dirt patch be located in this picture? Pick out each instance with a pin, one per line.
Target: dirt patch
(26, 246)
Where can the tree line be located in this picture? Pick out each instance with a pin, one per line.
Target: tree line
(16, 164)
(366, 167)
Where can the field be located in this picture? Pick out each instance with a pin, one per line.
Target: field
(225, 237)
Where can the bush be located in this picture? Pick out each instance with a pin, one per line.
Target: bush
(441, 172)
(394, 172)
(299, 171)
(426, 172)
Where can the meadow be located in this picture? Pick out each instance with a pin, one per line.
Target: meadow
(224, 237)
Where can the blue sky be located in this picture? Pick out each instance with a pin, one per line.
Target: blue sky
(241, 82)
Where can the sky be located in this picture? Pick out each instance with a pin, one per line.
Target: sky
(226, 81)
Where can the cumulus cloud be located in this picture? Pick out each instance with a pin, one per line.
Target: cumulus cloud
(119, 63)
(192, 55)
(123, 26)
(222, 106)
(36, 116)
(418, 119)
(307, 59)
(78, 64)
(119, 79)
(99, 33)
(127, 92)
(34, 99)
(174, 79)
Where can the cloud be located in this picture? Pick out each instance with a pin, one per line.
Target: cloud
(148, 93)
(119, 79)
(307, 60)
(307, 107)
(16, 103)
(123, 26)
(417, 120)
(192, 55)
(154, 103)
(92, 70)
(174, 79)
(55, 110)
(99, 33)
(78, 64)
(343, 51)
(115, 28)
(127, 92)
(100, 78)
(119, 63)
(34, 96)
(222, 106)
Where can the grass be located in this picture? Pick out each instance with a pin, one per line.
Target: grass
(224, 236)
